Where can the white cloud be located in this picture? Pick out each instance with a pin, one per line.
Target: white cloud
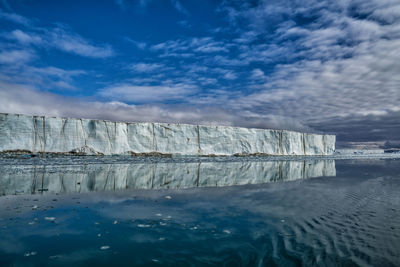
(230, 75)
(58, 37)
(24, 38)
(16, 56)
(19, 99)
(14, 18)
(179, 7)
(258, 74)
(73, 43)
(191, 45)
(146, 67)
(148, 93)
(138, 44)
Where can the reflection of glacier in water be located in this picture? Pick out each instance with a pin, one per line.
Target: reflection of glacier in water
(103, 177)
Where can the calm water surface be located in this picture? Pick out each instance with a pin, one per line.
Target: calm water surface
(245, 213)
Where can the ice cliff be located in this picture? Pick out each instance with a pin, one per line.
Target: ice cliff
(33, 134)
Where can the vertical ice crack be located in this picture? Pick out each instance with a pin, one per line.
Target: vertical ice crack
(44, 133)
(154, 138)
(109, 138)
(35, 133)
(198, 138)
(83, 132)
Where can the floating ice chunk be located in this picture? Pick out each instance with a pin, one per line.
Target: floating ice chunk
(159, 214)
(54, 257)
(104, 247)
(32, 253)
(52, 219)
(227, 232)
(168, 197)
(144, 225)
(115, 222)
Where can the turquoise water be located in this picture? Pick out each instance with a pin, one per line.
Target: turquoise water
(244, 213)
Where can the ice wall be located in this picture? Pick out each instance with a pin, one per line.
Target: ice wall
(44, 179)
(64, 135)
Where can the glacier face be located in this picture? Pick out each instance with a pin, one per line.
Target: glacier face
(42, 179)
(36, 134)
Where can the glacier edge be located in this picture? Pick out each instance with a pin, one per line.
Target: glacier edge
(39, 134)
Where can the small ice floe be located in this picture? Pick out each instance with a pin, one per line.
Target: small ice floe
(31, 223)
(283, 221)
(115, 222)
(227, 232)
(193, 228)
(163, 223)
(104, 247)
(159, 214)
(144, 225)
(169, 217)
(51, 219)
(168, 197)
(28, 254)
(54, 257)
(35, 207)
(155, 260)
(99, 235)
(96, 223)
(161, 238)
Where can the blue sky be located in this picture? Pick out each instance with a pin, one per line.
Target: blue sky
(330, 66)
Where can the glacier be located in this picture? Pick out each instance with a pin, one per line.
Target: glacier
(39, 134)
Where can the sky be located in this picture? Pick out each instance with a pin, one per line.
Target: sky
(312, 65)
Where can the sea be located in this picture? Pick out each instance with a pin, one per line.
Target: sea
(215, 211)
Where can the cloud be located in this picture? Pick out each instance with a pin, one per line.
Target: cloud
(14, 18)
(179, 7)
(176, 4)
(148, 93)
(340, 66)
(73, 43)
(24, 38)
(191, 45)
(16, 56)
(146, 67)
(230, 76)
(16, 67)
(59, 37)
(19, 99)
(258, 74)
(139, 45)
